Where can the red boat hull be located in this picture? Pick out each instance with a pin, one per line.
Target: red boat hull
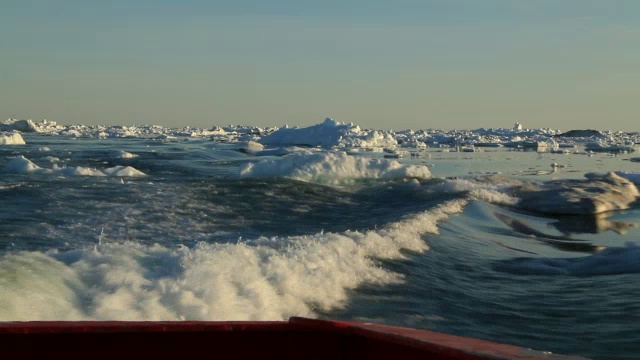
(297, 338)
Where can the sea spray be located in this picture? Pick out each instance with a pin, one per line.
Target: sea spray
(263, 279)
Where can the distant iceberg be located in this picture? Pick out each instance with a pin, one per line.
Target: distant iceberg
(329, 133)
(19, 125)
(333, 134)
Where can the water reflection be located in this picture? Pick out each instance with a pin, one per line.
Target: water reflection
(568, 226)
(591, 224)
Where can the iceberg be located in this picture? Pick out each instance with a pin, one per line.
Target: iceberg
(11, 138)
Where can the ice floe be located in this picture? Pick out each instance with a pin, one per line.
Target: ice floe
(22, 165)
(122, 155)
(11, 138)
(597, 194)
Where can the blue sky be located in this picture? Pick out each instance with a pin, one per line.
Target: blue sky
(381, 64)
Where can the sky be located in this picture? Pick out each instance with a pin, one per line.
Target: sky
(402, 64)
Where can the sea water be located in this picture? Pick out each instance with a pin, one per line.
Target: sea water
(191, 229)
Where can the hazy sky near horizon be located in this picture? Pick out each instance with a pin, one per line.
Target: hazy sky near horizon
(380, 64)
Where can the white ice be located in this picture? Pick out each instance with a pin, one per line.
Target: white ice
(11, 138)
(331, 133)
(597, 194)
(22, 165)
(332, 167)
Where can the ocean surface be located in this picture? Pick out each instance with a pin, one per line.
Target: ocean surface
(192, 229)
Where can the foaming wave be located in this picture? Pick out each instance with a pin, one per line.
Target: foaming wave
(332, 167)
(485, 191)
(264, 279)
(22, 165)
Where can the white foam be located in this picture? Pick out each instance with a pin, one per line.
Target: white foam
(266, 279)
(332, 167)
(486, 191)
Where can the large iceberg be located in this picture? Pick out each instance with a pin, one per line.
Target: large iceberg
(329, 133)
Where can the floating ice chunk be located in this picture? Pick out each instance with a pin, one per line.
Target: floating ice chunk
(21, 165)
(71, 132)
(77, 171)
(123, 155)
(611, 146)
(51, 159)
(252, 147)
(166, 137)
(123, 171)
(257, 149)
(11, 138)
(371, 139)
(330, 167)
(596, 194)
